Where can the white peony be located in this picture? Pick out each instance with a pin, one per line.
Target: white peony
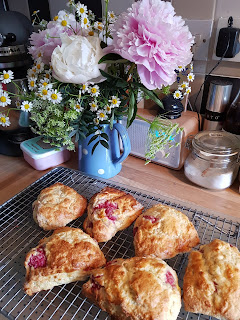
(76, 61)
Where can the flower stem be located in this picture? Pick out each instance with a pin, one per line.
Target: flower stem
(106, 17)
(144, 119)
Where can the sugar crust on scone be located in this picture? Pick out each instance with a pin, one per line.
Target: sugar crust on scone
(110, 211)
(164, 232)
(139, 288)
(58, 205)
(68, 255)
(212, 281)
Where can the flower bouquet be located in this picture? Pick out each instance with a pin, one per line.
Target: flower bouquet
(88, 73)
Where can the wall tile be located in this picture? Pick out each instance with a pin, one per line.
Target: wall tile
(192, 9)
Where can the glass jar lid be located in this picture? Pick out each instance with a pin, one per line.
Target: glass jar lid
(219, 143)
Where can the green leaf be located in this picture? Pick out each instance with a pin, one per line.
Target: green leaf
(107, 75)
(149, 93)
(95, 146)
(111, 57)
(111, 120)
(132, 109)
(92, 139)
(104, 136)
(104, 143)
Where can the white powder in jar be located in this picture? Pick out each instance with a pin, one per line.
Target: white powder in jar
(207, 175)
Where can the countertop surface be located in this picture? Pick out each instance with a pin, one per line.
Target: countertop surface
(16, 174)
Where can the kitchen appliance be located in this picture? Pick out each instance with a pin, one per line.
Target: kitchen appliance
(138, 136)
(15, 30)
(218, 100)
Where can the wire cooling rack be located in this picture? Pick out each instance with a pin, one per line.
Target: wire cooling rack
(19, 234)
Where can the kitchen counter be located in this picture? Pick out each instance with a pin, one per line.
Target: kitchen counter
(16, 174)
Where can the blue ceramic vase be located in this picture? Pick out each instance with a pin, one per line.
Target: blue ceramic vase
(104, 163)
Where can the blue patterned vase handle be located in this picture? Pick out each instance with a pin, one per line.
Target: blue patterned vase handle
(125, 142)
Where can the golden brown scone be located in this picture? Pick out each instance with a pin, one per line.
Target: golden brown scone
(211, 283)
(139, 288)
(110, 211)
(58, 205)
(163, 232)
(67, 255)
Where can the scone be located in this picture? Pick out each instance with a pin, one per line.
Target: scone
(110, 211)
(163, 232)
(67, 255)
(139, 288)
(211, 283)
(58, 205)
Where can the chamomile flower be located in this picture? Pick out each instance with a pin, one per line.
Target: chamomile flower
(47, 74)
(98, 25)
(108, 108)
(45, 83)
(70, 3)
(114, 102)
(39, 65)
(26, 106)
(4, 99)
(94, 91)
(32, 83)
(180, 68)
(85, 88)
(188, 90)
(191, 66)
(35, 12)
(90, 32)
(191, 77)
(63, 21)
(111, 16)
(93, 106)
(96, 121)
(78, 107)
(7, 76)
(54, 96)
(101, 114)
(85, 22)
(177, 94)
(18, 103)
(81, 9)
(4, 121)
(183, 85)
(44, 92)
(32, 73)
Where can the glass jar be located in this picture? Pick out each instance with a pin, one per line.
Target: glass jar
(214, 159)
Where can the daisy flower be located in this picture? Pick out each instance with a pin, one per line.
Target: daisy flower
(84, 21)
(93, 106)
(4, 121)
(32, 72)
(54, 96)
(85, 88)
(26, 106)
(94, 91)
(47, 74)
(45, 83)
(177, 94)
(43, 92)
(98, 25)
(191, 66)
(7, 76)
(191, 76)
(96, 121)
(108, 108)
(18, 103)
(78, 107)
(32, 83)
(188, 90)
(111, 16)
(183, 86)
(4, 99)
(114, 102)
(55, 18)
(39, 65)
(101, 114)
(180, 68)
(81, 9)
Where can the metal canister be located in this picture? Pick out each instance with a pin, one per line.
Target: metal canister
(218, 100)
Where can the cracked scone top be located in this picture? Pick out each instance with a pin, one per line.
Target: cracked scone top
(58, 205)
(164, 232)
(67, 255)
(211, 283)
(110, 211)
(139, 288)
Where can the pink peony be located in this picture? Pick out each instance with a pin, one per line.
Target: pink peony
(155, 39)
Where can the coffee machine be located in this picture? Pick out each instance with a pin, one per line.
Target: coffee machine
(15, 29)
